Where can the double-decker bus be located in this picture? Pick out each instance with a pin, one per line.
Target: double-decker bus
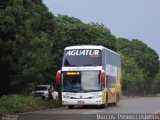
(90, 75)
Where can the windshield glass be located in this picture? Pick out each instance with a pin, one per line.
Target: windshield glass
(82, 57)
(85, 81)
(71, 82)
(40, 88)
(91, 81)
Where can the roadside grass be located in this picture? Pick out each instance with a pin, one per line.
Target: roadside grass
(157, 95)
(20, 103)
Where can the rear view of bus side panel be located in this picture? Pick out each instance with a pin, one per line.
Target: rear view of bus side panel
(112, 70)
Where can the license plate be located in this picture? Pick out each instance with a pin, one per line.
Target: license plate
(80, 102)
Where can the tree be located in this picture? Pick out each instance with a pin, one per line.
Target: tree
(144, 58)
(132, 75)
(26, 34)
(156, 84)
(147, 59)
(75, 32)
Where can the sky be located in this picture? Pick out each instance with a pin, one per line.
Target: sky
(131, 19)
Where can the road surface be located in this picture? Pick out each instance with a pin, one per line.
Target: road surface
(128, 107)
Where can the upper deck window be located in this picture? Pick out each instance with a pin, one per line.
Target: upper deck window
(82, 57)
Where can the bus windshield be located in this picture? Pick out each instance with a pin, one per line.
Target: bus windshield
(82, 57)
(86, 81)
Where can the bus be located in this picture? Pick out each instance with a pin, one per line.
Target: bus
(90, 75)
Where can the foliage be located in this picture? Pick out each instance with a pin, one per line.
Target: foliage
(26, 34)
(132, 76)
(143, 61)
(156, 84)
(74, 32)
(20, 103)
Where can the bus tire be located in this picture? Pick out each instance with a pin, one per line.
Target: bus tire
(71, 106)
(117, 100)
(102, 106)
(107, 99)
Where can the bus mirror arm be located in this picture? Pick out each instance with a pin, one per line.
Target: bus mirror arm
(102, 76)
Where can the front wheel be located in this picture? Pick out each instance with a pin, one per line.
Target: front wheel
(107, 99)
(102, 106)
(71, 106)
(117, 100)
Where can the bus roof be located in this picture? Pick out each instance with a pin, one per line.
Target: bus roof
(89, 47)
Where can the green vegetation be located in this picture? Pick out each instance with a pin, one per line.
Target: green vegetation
(32, 42)
(156, 83)
(19, 103)
(26, 36)
(139, 64)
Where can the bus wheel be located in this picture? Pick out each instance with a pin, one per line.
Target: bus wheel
(107, 99)
(102, 106)
(117, 100)
(71, 106)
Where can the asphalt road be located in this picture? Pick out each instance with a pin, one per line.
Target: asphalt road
(129, 107)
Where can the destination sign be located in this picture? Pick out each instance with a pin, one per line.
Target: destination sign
(83, 52)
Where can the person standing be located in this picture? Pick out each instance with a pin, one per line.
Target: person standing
(50, 97)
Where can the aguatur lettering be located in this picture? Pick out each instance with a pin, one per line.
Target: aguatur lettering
(82, 52)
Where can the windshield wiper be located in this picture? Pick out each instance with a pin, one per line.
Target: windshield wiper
(87, 65)
(71, 91)
(91, 90)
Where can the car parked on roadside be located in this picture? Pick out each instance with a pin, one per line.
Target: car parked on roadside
(41, 91)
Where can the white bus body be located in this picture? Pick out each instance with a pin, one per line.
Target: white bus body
(81, 78)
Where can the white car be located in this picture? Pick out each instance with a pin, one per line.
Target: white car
(42, 91)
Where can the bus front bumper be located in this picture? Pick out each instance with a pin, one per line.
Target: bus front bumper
(95, 101)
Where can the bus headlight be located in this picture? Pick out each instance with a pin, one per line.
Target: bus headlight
(97, 96)
(68, 97)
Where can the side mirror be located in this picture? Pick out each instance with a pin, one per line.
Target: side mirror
(102, 76)
(58, 77)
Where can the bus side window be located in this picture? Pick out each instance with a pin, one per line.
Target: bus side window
(109, 81)
(106, 80)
